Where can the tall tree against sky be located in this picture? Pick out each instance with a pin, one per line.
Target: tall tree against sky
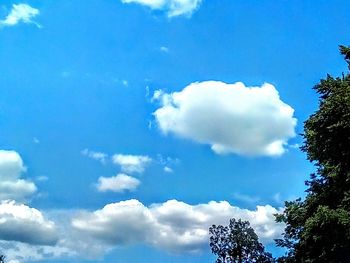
(237, 243)
(318, 228)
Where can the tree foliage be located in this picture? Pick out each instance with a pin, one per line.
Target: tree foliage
(237, 243)
(318, 228)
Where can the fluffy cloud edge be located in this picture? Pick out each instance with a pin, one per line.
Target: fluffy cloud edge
(12, 186)
(19, 222)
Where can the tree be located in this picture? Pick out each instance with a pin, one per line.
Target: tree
(237, 243)
(2, 259)
(318, 228)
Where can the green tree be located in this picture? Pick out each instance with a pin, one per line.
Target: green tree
(237, 243)
(318, 228)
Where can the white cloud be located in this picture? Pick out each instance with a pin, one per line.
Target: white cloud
(118, 183)
(11, 186)
(42, 178)
(232, 118)
(21, 223)
(20, 13)
(174, 226)
(131, 163)
(98, 156)
(164, 49)
(171, 7)
(167, 169)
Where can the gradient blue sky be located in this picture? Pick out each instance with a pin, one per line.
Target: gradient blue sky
(80, 75)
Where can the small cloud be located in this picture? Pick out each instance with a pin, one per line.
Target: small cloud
(36, 140)
(164, 49)
(125, 83)
(246, 198)
(277, 198)
(168, 169)
(98, 156)
(119, 183)
(42, 178)
(132, 163)
(21, 13)
(167, 162)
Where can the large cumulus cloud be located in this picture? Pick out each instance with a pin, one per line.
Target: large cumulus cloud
(173, 226)
(231, 118)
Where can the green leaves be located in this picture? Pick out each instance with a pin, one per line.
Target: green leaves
(237, 243)
(318, 228)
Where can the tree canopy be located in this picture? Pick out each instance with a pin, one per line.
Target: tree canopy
(237, 243)
(318, 228)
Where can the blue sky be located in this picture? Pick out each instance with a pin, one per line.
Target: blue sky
(128, 127)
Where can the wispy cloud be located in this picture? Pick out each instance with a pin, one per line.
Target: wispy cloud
(171, 7)
(21, 13)
(246, 198)
(164, 49)
(98, 156)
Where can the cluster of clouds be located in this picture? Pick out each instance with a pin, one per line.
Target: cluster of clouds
(20, 13)
(171, 7)
(24, 13)
(231, 118)
(130, 166)
(173, 226)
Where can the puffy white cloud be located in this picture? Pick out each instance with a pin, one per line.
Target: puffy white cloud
(131, 163)
(232, 118)
(21, 223)
(20, 13)
(174, 226)
(118, 183)
(172, 7)
(11, 186)
(98, 156)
